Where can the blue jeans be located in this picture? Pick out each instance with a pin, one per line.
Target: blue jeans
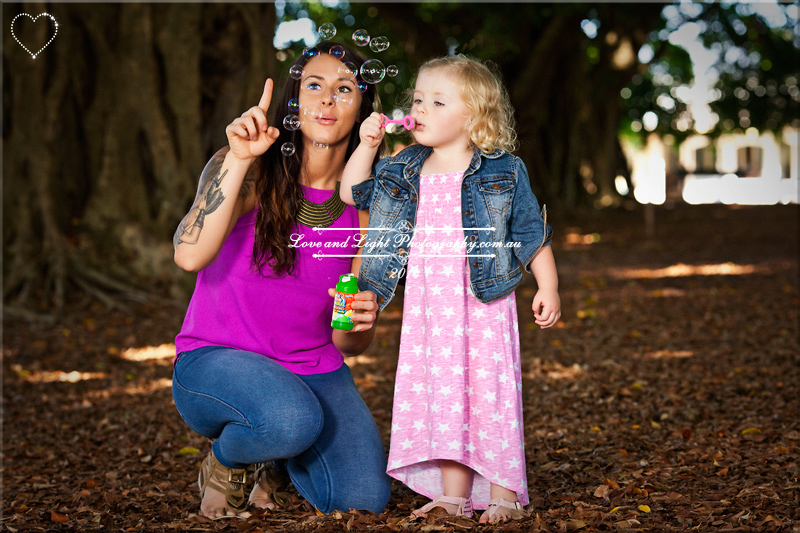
(318, 425)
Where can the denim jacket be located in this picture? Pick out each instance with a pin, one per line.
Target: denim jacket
(503, 226)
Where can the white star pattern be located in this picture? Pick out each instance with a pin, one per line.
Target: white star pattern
(456, 390)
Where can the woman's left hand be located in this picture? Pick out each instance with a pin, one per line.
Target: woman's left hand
(365, 310)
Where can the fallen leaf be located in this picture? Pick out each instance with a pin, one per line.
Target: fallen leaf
(56, 517)
(189, 450)
(750, 431)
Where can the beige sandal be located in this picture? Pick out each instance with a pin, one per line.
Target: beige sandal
(273, 484)
(500, 509)
(453, 505)
(228, 481)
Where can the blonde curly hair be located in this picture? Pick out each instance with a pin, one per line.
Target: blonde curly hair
(491, 124)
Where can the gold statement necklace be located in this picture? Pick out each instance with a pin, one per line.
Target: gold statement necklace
(322, 215)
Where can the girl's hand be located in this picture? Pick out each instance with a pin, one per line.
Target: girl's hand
(371, 132)
(546, 307)
(365, 310)
(250, 135)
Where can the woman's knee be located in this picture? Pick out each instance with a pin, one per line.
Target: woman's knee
(292, 427)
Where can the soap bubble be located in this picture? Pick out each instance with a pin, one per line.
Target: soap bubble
(327, 31)
(361, 37)
(392, 71)
(379, 44)
(296, 71)
(312, 113)
(291, 122)
(287, 149)
(362, 86)
(348, 69)
(337, 52)
(319, 145)
(372, 71)
(308, 53)
(294, 105)
(343, 99)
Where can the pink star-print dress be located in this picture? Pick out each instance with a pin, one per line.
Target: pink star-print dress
(458, 391)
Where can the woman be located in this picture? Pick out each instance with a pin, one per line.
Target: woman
(259, 369)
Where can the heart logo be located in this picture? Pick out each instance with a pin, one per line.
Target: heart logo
(34, 19)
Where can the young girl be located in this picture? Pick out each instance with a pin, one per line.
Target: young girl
(459, 210)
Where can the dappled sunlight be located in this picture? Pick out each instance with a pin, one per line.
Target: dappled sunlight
(55, 376)
(141, 386)
(669, 354)
(359, 360)
(682, 270)
(162, 354)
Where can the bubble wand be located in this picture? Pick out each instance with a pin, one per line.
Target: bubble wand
(407, 121)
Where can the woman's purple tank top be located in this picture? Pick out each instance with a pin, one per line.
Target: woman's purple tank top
(286, 318)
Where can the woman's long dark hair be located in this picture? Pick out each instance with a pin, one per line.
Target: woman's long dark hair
(279, 177)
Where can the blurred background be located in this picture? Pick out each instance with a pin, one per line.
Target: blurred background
(620, 106)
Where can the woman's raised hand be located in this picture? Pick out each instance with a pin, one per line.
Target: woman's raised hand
(250, 135)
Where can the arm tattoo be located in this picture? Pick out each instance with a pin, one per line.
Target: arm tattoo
(209, 198)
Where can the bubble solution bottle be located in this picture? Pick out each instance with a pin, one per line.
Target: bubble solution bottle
(346, 291)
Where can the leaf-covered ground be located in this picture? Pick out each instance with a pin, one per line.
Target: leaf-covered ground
(665, 400)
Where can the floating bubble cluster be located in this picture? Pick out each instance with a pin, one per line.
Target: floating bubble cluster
(361, 37)
(392, 71)
(308, 53)
(294, 105)
(291, 122)
(372, 71)
(319, 145)
(296, 71)
(287, 149)
(379, 44)
(327, 31)
(337, 52)
(362, 86)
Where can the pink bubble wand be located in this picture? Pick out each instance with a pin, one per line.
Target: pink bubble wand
(407, 121)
